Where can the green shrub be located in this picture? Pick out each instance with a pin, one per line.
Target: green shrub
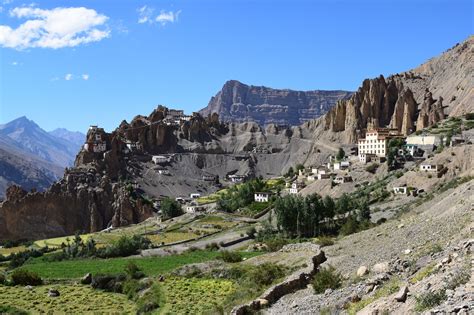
(325, 241)
(326, 278)
(372, 168)
(125, 246)
(251, 232)
(429, 300)
(230, 257)
(265, 274)
(212, 246)
(25, 277)
(2, 278)
(133, 271)
(110, 283)
(151, 300)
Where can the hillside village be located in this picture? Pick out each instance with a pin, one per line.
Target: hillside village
(365, 210)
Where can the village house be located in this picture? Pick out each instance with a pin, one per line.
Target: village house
(324, 176)
(312, 177)
(457, 141)
(262, 196)
(424, 142)
(237, 178)
(400, 190)
(133, 146)
(163, 171)
(296, 187)
(342, 179)
(97, 145)
(160, 159)
(195, 209)
(321, 170)
(375, 142)
(209, 177)
(366, 157)
(435, 168)
(343, 165)
(195, 196)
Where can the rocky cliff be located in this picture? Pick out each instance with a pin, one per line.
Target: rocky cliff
(382, 102)
(113, 179)
(238, 102)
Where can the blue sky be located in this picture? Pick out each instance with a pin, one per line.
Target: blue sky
(114, 59)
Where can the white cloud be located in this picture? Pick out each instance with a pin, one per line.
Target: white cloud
(56, 28)
(145, 14)
(85, 77)
(167, 17)
(68, 77)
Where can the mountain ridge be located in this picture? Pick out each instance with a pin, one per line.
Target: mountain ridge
(239, 102)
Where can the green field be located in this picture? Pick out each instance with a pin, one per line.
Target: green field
(74, 269)
(195, 296)
(73, 299)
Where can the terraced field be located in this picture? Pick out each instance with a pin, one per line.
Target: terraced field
(195, 296)
(74, 299)
(74, 269)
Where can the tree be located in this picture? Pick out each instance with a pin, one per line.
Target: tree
(170, 208)
(290, 172)
(343, 204)
(364, 210)
(340, 154)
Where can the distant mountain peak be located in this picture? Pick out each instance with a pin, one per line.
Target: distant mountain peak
(239, 102)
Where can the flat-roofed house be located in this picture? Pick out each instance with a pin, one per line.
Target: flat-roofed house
(262, 196)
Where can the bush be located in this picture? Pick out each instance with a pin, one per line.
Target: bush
(133, 271)
(351, 226)
(125, 246)
(2, 279)
(151, 300)
(429, 300)
(230, 257)
(326, 278)
(372, 168)
(170, 208)
(212, 246)
(251, 231)
(325, 241)
(25, 277)
(110, 283)
(265, 274)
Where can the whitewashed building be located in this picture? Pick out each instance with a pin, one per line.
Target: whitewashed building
(400, 190)
(375, 142)
(262, 196)
(296, 187)
(431, 167)
(160, 159)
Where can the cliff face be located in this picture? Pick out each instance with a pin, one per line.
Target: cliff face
(238, 102)
(377, 103)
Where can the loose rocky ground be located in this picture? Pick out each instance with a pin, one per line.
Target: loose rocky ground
(424, 249)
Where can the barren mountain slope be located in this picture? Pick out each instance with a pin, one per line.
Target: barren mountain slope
(403, 247)
(451, 76)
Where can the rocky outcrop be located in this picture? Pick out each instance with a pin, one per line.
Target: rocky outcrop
(379, 102)
(431, 111)
(83, 201)
(239, 102)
